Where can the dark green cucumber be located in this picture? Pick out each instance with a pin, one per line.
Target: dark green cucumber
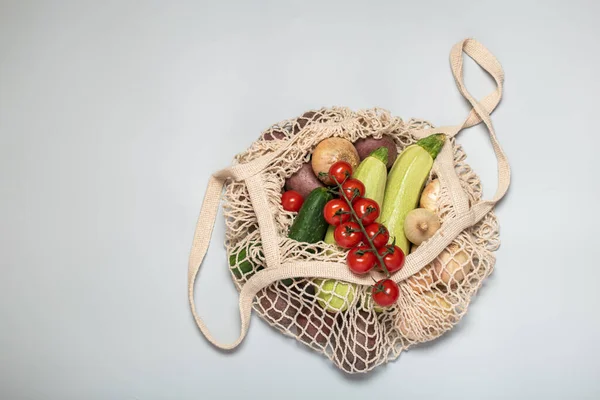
(310, 225)
(241, 265)
(240, 268)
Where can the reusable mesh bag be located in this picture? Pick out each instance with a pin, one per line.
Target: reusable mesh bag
(278, 277)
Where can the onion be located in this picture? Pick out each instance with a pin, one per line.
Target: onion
(330, 151)
(452, 265)
(430, 196)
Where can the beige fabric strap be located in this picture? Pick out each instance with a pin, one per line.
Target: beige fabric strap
(424, 255)
(481, 111)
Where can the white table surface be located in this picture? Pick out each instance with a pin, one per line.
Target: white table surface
(113, 114)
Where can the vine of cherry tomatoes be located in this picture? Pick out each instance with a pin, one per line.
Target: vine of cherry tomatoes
(354, 216)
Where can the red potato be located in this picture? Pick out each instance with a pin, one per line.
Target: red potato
(303, 181)
(274, 135)
(307, 118)
(279, 306)
(314, 325)
(363, 342)
(368, 145)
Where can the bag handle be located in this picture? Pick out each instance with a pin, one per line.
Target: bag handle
(202, 235)
(481, 112)
(486, 60)
(204, 229)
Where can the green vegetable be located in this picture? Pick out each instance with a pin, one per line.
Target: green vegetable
(372, 172)
(240, 264)
(404, 184)
(310, 225)
(369, 303)
(243, 267)
(334, 296)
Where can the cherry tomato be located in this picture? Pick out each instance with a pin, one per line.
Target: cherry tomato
(354, 189)
(367, 210)
(348, 234)
(340, 171)
(393, 257)
(361, 259)
(378, 234)
(291, 200)
(336, 211)
(385, 292)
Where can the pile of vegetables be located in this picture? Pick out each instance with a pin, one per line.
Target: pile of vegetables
(374, 214)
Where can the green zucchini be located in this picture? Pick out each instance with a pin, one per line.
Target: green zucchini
(372, 172)
(404, 184)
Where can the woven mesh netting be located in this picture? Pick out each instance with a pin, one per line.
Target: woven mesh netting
(339, 319)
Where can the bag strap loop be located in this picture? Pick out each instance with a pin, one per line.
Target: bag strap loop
(481, 111)
(490, 64)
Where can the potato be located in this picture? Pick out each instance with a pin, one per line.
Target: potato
(278, 306)
(368, 145)
(307, 118)
(314, 325)
(275, 134)
(330, 151)
(357, 350)
(452, 265)
(303, 181)
(432, 316)
(422, 280)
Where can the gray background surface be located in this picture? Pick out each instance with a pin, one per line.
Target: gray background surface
(113, 114)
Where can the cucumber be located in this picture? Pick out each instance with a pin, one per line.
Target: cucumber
(241, 265)
(310, 225)
(372, 172)
(240, 268)
(404, 184)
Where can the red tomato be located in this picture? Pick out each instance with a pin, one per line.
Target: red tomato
(340, 171)
(291, 200)
(361, 259)
(378, 234)
(348, 234)
(393, 258)
(336, 211)
(367, 210)
(354, 189)
(385, 292)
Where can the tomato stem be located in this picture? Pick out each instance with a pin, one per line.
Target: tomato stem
(363, 230)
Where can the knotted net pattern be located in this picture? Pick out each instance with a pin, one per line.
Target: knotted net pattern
(335, 318)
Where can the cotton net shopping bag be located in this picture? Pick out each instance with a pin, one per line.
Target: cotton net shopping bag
(276, 275)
